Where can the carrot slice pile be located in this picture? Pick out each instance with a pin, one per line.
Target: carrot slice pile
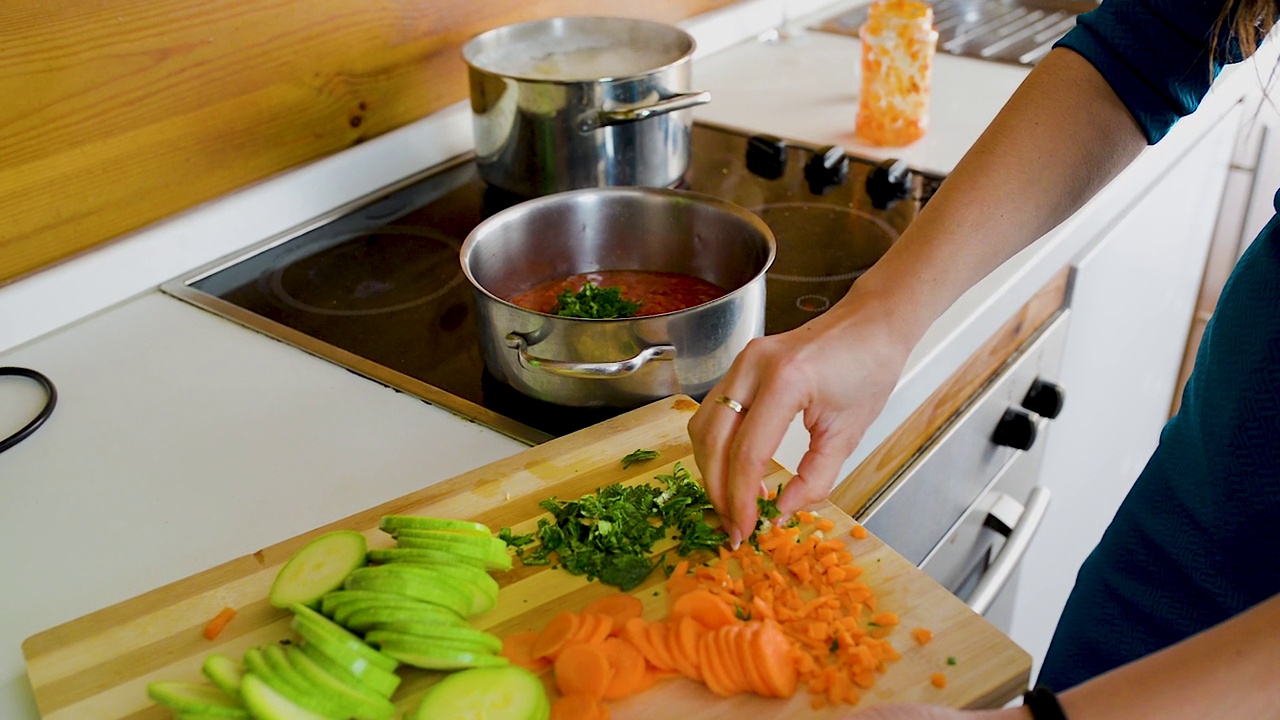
(791, 614)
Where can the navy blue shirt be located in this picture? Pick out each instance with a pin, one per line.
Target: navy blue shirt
(1197, 540)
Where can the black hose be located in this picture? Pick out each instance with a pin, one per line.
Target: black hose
(50, 391)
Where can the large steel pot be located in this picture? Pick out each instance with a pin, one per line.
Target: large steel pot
(578, 102)
(621, 362)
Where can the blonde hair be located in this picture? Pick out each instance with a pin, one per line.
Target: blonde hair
(1248, 21)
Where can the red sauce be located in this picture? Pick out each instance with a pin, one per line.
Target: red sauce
(658, 292)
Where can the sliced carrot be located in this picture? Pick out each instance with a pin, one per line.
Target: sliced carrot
(776, 665)
(619, 606)
(583, 669)
(658, 637)
(595, 628)
(555, 635)
(577, 707)
(636, 632)
(804, 516)
(711, 663)
(750, 666)
(938, 680)
(858, 532)
(922, 635)
(824, 525)
(219, 623)
(735, 658)
(651, 677)
(706, 608)
(628, 668)
(683, 642)
(518, 648)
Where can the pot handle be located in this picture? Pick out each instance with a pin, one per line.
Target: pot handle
(636, 113)
(604, 370)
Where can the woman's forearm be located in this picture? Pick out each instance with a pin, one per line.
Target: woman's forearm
(1061, 137)
(1228, 672)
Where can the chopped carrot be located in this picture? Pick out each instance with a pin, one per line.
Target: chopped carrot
(583, 669)
(628, 668)
(858, 532)
(922, 635)
(824, 525)
(885, 619)
(619, 606)
(577, 707)
(518, 648)
(706, 608)
(219, 623)
(804, 516)
(938, 680)
(555, 635)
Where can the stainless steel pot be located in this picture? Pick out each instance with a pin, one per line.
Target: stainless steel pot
(622, 362)
(578, 102)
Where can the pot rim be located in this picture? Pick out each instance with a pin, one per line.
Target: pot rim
(470, 48)
(468, 245)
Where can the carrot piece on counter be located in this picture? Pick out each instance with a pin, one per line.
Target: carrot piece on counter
(219, 623)
(938, 680)
(619, 606)
(804, 516)
(706, 608)
(578, 707)
(555, 635)
(858, 532)
(628, 668)
(583, 669)
(885, 619)
(518, 648)
(922, 635)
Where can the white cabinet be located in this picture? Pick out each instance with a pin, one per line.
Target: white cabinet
(1132, 301)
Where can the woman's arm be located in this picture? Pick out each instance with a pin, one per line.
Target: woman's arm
(1228, 672)
(1061, 137)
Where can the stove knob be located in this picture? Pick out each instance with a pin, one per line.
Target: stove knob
(888, 183)
(1017, 429)
(1044, 398)
(766, 156)
(827, 169)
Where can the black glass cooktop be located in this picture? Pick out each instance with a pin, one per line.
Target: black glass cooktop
(380, 289)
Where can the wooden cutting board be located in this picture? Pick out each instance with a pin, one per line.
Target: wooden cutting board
(97, 666)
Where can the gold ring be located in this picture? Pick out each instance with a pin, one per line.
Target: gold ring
(730, 403)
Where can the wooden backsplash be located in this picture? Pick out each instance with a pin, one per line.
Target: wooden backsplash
(116, 113)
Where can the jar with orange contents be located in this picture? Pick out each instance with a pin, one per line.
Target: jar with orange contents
(898, 43)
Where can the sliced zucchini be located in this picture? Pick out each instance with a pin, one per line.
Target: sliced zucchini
(224, 672)
(319, 567)
(497, 693)
(364, 618)
(393, 523)
(192, 698)
(358, 672)
(334, 640)
(423, 556)
(431, 654)
(266, 703)
(362, 703)
(414, 582)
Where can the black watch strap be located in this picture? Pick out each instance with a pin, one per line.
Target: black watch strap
(1043, 704)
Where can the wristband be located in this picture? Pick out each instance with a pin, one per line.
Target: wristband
(1043, 704)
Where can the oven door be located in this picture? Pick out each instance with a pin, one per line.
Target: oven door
(967, 506)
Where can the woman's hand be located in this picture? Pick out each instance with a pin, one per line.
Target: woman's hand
(838, 370)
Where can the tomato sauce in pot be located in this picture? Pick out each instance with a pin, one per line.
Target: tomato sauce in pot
(657, 292)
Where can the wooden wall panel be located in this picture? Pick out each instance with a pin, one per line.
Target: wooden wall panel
(116, 113)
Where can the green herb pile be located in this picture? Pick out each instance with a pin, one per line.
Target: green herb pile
(598, 303)
(610, 534)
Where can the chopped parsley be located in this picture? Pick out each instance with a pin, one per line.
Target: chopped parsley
(637, 457)
(835, 645)
(951, 660)
(743, 615)
(610, 533)
(594, 302)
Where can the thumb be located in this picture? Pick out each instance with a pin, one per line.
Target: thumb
(812, 483)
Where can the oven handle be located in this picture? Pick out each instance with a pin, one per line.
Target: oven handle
(994, 580)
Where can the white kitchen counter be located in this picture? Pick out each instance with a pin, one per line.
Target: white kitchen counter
(182, 440)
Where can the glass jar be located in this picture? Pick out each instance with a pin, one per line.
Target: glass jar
(898, 43)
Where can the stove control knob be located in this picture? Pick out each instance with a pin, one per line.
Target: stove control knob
(1017, 430)
(1045, 399)
(887, 183)
(766, 156)
(827, 169)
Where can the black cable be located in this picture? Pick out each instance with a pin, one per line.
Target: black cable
(50, 391)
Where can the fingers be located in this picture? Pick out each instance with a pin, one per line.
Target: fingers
(816, 474)
(712, 429)
(753, 447)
